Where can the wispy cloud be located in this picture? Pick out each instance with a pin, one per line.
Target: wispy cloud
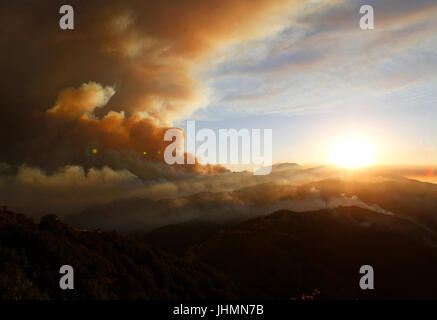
(323, 58)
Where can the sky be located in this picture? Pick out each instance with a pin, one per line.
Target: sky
(321, 78)
(87, 109)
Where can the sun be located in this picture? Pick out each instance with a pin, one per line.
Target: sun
(353, 153)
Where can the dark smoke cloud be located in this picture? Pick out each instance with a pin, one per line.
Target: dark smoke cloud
(116, 82)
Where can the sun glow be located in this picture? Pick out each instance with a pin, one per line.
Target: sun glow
(353, 153)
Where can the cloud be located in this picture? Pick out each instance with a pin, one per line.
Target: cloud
(73, 176)
(115, 83)
(323, 60)
(214, 201)
(118, 199)
(83, 101)
(72, 133)
(110, 199)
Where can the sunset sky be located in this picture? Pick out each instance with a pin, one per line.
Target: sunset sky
(174, 150)
(86, 109)
(321, 78)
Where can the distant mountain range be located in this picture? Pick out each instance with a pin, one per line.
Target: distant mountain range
(284, 255)
(412, 200)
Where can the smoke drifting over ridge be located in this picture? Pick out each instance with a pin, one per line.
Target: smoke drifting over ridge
(86, 199)
(234, 197)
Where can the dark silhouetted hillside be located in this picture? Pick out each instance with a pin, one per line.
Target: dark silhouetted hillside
(279, 256)
(177, 238)
(107, 265)
(286, 254)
